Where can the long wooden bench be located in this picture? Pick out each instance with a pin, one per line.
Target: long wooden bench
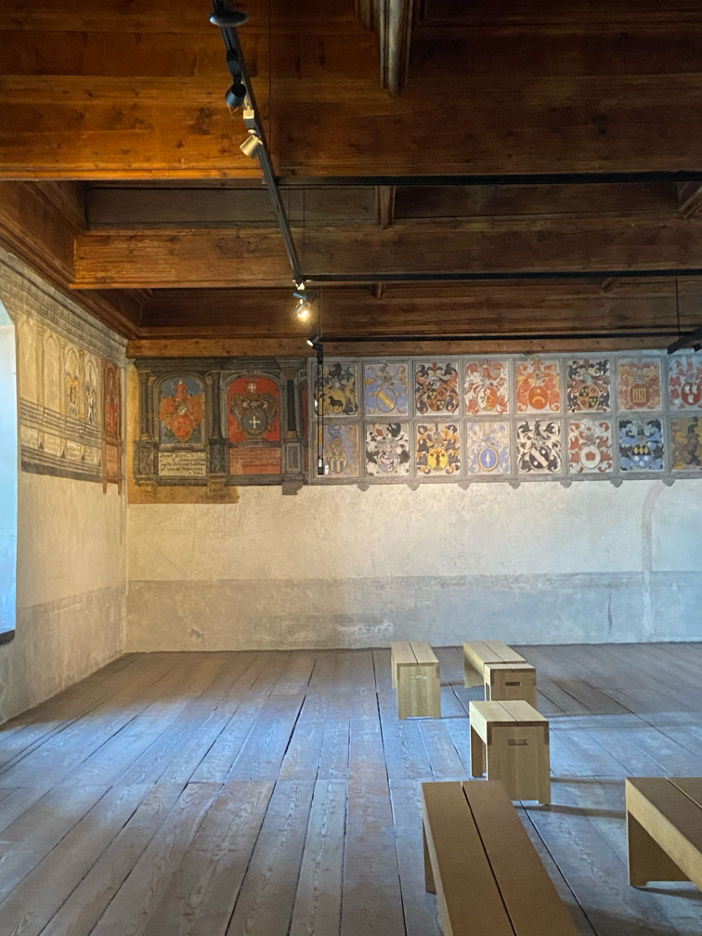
(482, 866)
(415, 675)
(664, 822)
(503, 672)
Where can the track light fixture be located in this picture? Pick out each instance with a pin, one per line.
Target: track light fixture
(229, 18)
(251, 145)
(236, 95)
(306, 298)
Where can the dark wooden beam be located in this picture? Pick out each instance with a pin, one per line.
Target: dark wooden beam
(39, 223)
(256, 257)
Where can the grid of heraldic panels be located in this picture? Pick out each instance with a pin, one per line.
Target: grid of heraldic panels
(515, 418)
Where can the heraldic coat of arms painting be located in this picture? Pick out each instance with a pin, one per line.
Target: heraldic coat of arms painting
(487, 387)
(589, 386)
(436, 388)
(182, 411)
(254, 411)
(641, 445)
(539, 447)
(685, 382)
(387, 450)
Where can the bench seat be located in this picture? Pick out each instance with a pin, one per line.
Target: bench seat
(503, 672)
(483, 867)
(664, 823)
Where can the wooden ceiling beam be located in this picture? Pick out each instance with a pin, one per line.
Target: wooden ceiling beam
(39, 223)
(255, 256)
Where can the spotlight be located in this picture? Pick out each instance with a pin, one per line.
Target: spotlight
(232, 18)
(236, 95)
(315, 342)
(251, 145)
(303, 310)
(697, 347)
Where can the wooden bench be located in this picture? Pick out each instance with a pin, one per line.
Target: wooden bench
(664, 822)
(415, 675)
(482, 866)
(505, 674)
(511, 739)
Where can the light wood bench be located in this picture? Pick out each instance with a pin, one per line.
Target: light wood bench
(664, 822)
(511, 739)
(415, 675)
(505, 674)
(482, 866)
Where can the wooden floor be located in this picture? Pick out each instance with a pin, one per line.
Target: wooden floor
(276, 793)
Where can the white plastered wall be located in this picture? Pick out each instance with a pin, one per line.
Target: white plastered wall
(334, 567)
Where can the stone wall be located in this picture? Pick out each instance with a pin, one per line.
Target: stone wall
(71, 581)
(342, 567)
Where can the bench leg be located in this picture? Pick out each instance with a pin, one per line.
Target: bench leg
(647, 860)
(477, 754)
(429, 885)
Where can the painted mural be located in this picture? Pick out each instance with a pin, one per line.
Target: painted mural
(436, 388)
(539, 447)
(686, 443)
(63, 358)
(641, 445)
(386, 389)
(589, 386)
(487, 448)
(486, 387)
(388, 448)
(512, 418)
(112, 421)
(215, 424)
(685, 382)
(640, 384)
(590, 446)
(438, 449)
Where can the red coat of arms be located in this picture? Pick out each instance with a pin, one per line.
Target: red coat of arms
(182, 412)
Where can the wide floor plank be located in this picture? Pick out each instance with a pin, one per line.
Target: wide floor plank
(277, 793)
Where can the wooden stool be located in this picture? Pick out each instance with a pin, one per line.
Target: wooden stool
(506, 682)
(478, 653)
(513, 738)
(415, 675)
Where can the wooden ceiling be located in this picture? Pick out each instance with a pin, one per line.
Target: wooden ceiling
(508, 139)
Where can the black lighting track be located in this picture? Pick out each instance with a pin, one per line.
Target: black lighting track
(520, 178)
(536, 336)
(370, 278)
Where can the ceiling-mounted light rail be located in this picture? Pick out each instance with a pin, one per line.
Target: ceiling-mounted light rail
(255, 145)
(469, 276)
(692, 340)
(535, 336)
